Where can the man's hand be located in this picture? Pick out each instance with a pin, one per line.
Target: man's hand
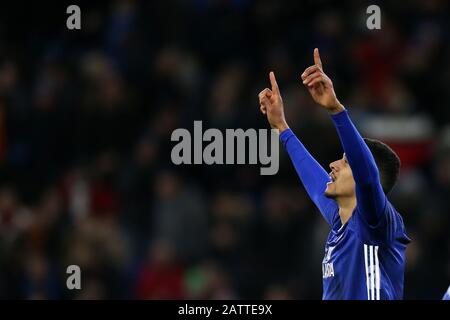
(271, 104)
(321, 87)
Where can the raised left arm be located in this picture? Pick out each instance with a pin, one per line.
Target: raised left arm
(371, 199)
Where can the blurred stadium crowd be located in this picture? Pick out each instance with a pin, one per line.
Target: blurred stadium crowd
(85, 124)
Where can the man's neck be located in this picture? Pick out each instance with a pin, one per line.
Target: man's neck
(346, 207)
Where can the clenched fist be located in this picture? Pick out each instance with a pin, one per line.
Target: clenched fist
(271, 104)
(321, 87)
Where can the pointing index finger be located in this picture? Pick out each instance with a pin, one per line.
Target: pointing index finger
(273, 82)
(317, 60)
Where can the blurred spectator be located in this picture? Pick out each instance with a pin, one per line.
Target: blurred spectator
(179, 216)
(161, 276)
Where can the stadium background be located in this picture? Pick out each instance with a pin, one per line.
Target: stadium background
(85, 124)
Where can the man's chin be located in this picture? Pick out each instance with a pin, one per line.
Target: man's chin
(329, 193)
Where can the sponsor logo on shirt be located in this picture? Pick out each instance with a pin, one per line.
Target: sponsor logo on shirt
(327, 267)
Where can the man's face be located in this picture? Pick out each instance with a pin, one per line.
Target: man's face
(342, 184)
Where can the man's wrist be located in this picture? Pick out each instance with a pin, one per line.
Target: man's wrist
(336, 109)
(282, 127)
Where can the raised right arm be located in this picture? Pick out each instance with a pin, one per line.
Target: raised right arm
(313, 177)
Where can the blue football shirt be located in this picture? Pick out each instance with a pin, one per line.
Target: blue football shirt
(364, 258)
(357, 265)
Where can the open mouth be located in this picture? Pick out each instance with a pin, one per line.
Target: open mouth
(332, 177)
